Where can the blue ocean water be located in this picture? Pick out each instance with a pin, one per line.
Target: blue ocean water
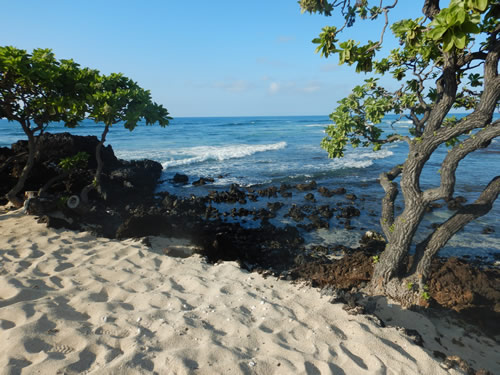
(263, 151)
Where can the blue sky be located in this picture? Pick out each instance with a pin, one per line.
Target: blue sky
(198, 57)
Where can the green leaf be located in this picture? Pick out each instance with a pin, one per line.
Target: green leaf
(481, 5)
(437, 32)
(447, 41)
(460, 40)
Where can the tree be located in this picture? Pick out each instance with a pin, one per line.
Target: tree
(35, 90)
(116, 98)
(447, 59)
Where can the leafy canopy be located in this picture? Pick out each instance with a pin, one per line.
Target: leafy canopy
(425, 43)
(36, 88)
(116, 98)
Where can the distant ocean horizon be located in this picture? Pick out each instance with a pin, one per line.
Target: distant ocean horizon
(270, 150)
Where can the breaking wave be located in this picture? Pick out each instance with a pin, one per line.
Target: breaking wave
(201, 154)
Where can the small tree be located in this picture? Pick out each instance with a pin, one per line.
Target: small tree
(116, 98)
(35, 90)
(447, 59)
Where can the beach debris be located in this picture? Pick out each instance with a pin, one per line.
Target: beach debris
(453, 361)
(412, 335)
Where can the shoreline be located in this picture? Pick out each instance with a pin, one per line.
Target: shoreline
(71, 303)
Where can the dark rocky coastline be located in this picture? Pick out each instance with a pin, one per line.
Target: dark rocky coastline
(129, 207)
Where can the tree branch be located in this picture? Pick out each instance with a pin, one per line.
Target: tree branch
(391, 192)
(385, 10)
(428, 248)
(431, 8)
(457, 154)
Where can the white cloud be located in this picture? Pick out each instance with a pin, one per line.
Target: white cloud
(292, 87)
(285, 39)
(234, 86)
(274, 87)
(311, 87)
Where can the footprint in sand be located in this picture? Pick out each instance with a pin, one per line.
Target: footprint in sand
(107, 330)
(112, 353)
(60, 351)
(6, 324)
(36, 345)
(87, 359)
(102, 296)
(63, 266)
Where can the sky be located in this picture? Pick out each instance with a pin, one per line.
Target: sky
(199, 57)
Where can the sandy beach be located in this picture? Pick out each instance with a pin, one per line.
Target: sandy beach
(73, 303)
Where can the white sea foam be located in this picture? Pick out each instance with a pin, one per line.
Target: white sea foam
(200, 154)
(360, 159)
(316, 125)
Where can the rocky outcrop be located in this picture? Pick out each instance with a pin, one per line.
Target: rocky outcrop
(123, 182)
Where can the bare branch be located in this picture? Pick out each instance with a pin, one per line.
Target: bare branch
(433, 243)
(386, 16)
(457, 154)
(484, 109)
(391, 192)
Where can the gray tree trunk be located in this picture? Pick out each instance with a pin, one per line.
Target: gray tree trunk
(12, 195)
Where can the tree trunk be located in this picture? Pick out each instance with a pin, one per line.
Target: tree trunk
(12, 195)
(96, 184)
(98, 156)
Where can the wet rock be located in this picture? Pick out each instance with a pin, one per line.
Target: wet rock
(488, 230)
(432, 206)
(348, 212)
(456, 203)
(296, 213)
(317, 222)
(252, 197)
(180, 178)
(285, 187)
(269, 192)
(323, 191)
(310, 197)
(235, 194)
(347, 225)
(351, 197)
(286, 194)
(339, 191)
(203, 181)
(326, 211)
(307, 186)
(168, 201)
(265, 214)
(275, 206)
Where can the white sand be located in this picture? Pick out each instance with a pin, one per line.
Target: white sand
(73, 303)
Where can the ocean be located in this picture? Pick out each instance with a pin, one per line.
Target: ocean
(263, 151)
